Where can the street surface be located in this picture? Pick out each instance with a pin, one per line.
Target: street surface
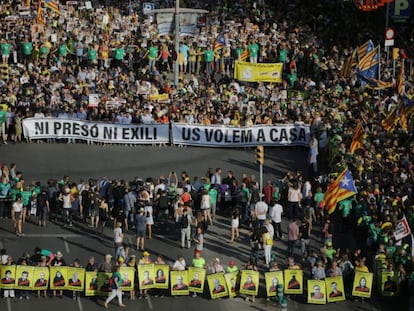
(44, 161)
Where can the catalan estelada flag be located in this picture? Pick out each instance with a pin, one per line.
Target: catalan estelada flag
(401, 80)
(219, 43)
(244, 55)
(357, 139)
(53, 5)
(406, 110)
(364, 49)
(342, 188)
(348, 65)
(391, 120)
(39, 17)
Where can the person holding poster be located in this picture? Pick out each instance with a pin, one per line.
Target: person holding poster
(249, 281)
(116, 288)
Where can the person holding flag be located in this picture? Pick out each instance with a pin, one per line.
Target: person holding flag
(342, 188)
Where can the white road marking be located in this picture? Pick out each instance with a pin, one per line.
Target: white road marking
(47, 235)
(80, 304)
(149, 303)
(66, 246)
(8, 304)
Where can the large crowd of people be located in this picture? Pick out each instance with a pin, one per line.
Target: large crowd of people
(118, 55)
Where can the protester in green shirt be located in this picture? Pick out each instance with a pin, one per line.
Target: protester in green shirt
(5, 48)
(253, 51)
(208, 59)
(27, 48)
(116, 288)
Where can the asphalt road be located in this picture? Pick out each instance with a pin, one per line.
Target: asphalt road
(39, 162)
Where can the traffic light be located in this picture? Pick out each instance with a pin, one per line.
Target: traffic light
(260, 155)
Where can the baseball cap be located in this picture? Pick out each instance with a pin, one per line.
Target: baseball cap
(108, 256)
(59, 254)
(146, 253)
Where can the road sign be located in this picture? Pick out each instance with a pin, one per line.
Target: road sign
(148, 8)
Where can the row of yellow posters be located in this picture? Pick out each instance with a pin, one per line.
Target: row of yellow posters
(191, 280)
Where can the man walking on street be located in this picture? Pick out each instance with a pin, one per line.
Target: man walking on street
(293, 235)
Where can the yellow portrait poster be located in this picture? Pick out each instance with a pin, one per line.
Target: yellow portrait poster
(58, 277)
(249, 282)
(41, 277)
(146, 276)
(162, 273)
(272, 280)
(8, 276)
(104, 283)
(316, 292)
(91, 283)
(24, 278)
(390, 285)
(128, 278)
(76, 279)
(217, 285)
(196, 277)
(293, 281)
(335, 289)
(362, 284)
(179, 283)
(232, 281)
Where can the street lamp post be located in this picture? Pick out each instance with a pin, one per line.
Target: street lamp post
(177, 11)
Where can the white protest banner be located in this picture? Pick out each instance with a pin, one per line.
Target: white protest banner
(41, 128)
(227, 136)
(402, 229)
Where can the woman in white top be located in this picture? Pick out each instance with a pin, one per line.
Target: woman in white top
(150, 219)
(205, 205)
(294, 199)
(118, 238)
(17, 216)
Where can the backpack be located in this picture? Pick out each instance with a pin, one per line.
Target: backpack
(184, 221)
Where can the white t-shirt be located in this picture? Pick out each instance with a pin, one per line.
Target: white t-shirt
(118, 238)
(277, 212)
(261, 210)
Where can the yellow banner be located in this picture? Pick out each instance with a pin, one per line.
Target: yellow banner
(24, 277)
(335, 289)
(41, 277)
(8, 276)
(362, 284)
(249, 282)
(258, 72)
(91, 281)
(146, 275)
(197, 277)
(390, 284)
(160, 97)
(217, 285)
(293, 281)
(179, 283)
(76, 279)
(104, 284)
(162, 273)
(128, 278)
(232, 282)
(273, 279)
(58, 277)
(316, 292)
